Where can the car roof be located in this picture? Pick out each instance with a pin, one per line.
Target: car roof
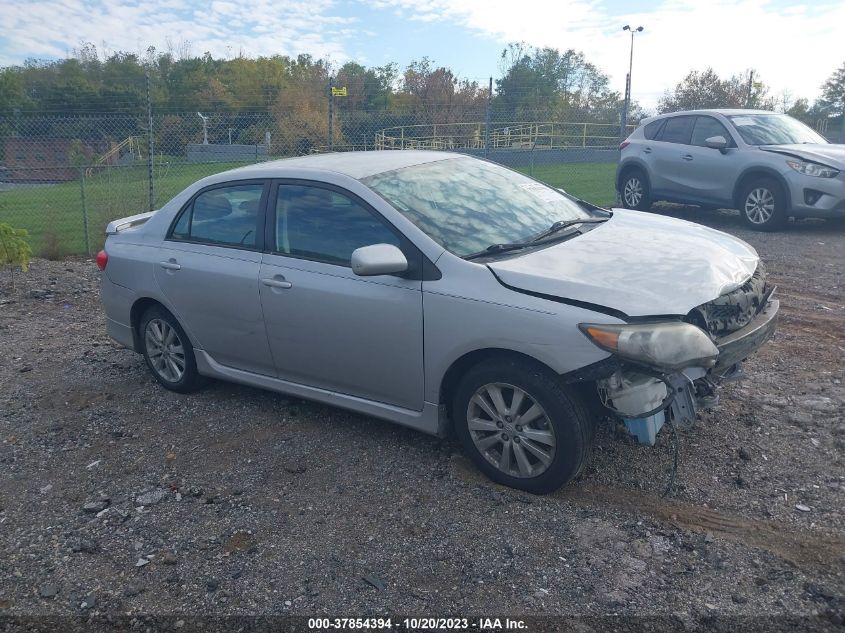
(356, 165)
(722, 111)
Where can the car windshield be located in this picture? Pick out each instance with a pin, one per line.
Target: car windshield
(773, 129)
(467, 205)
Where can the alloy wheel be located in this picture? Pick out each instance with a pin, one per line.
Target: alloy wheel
(165, 350)
(633, 191)
(759, 205)
(511, 430)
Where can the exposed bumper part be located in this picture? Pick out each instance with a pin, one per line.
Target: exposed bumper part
(737, 346)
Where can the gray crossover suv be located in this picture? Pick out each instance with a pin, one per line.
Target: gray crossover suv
(768, 166)
(437, 290)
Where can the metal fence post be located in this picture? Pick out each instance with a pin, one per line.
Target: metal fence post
(487, 119)
(150, 146)
(84, 210)
(331, 114)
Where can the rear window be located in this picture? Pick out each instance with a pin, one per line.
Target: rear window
(651, 130)
(677, 130)
(227, 216)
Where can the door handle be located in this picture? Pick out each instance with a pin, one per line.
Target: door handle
(170, 265)
(276, 282)
(687, 156)
(647, 150)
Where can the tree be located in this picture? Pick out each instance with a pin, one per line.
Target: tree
(833, 92)
(547, 83)
(705, 89)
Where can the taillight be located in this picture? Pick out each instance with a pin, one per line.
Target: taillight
(623, 145)
(102, 260)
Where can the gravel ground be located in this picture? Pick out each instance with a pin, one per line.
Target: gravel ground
(117, 496)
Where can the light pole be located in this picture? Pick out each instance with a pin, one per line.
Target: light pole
(627, 105)
(204, 128)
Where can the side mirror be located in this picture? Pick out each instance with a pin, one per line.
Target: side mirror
(717, 142)
(378, 259)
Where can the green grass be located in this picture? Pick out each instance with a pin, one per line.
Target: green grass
(53, 214)
(593, 182)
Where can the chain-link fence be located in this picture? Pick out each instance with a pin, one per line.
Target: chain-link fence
(64, 178)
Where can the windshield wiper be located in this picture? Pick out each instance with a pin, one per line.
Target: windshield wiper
(565, 224)
(499, 248)
(513, 246)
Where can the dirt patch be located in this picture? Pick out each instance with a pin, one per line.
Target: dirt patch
(820, 549)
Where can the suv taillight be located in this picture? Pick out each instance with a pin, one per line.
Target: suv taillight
(623, 145)
(102, 260)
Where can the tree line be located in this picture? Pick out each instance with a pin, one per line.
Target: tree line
(535, 84)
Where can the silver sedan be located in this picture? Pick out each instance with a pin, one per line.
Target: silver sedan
(440, 292)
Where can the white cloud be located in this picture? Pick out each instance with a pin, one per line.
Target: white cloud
(794, 48)
(50, 28)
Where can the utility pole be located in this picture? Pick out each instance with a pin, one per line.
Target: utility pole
(750, 88)
(150, 145)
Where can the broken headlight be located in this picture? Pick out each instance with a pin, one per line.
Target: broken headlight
(671, 345)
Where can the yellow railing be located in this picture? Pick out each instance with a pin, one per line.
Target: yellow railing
(518, 135)
(132, 145)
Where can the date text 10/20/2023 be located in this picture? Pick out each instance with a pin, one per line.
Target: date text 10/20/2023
(421, 623)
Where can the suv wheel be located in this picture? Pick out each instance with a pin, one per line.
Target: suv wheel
(762, 205)
(635, 193)
(520, 426)
(168, 351)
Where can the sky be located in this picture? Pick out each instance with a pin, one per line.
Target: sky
(794, 46)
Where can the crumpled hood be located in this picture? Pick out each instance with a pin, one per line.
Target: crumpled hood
(826, 154)
(638, 263)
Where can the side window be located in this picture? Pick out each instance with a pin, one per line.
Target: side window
(677, 130)
(324, 225)
(705, 127)
(652, 129)
(225, 215)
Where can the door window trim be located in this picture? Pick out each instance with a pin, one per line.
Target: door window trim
(419, 267)
(260, 223)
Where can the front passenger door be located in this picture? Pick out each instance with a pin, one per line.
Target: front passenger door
(329, 328)
(707, 174)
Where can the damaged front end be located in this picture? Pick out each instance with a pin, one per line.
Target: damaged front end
(669, 369)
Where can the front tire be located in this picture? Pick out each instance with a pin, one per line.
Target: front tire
(520, 426)
(762, 205)
(634, 190)
(168, 351)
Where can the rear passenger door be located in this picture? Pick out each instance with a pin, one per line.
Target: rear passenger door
(667, 150)
(329, 328)
(208, 271)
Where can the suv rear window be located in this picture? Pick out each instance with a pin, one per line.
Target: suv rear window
(677, 130)
(652, 129)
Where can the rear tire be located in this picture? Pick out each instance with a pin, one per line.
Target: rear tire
(634, 190)
(168, 351)
(520, 426)
(762, 205)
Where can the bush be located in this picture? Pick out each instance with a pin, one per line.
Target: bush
(14, 247)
